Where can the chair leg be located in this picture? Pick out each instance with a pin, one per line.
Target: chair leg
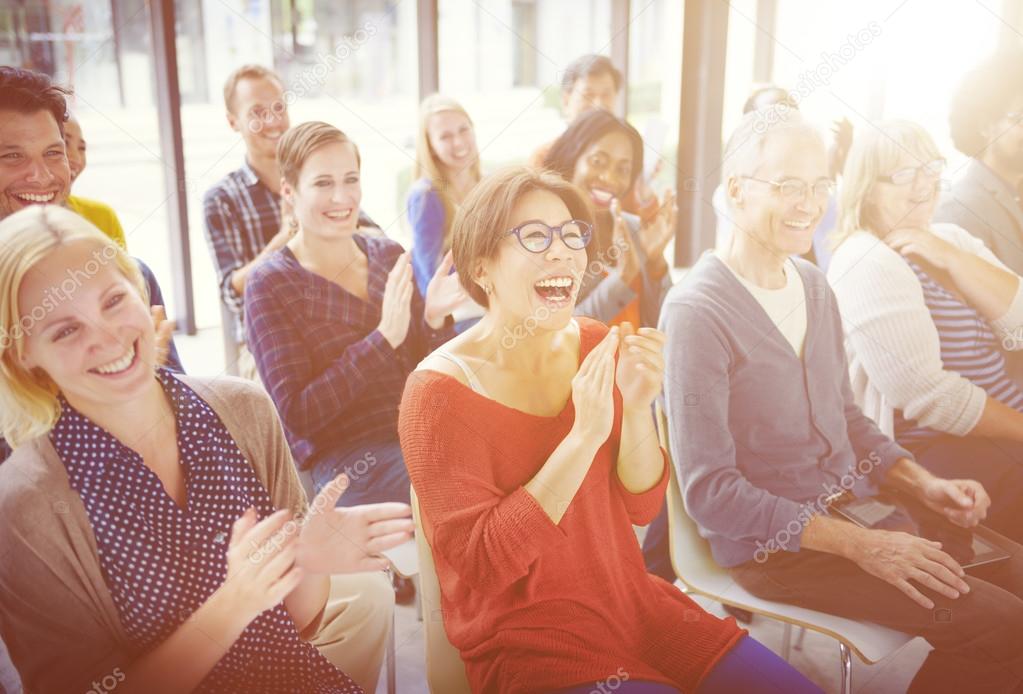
(786, 641)
(846, 668)
(799, 639)
(419, 597)
(391, 665)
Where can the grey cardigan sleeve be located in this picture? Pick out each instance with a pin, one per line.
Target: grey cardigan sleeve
(697, 392)
(604, 298)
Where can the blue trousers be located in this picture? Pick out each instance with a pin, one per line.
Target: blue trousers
(748, 668)
(376, 473)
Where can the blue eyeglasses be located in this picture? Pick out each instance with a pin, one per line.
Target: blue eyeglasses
(537, 237)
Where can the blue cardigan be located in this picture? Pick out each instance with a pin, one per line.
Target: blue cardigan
(426, 217)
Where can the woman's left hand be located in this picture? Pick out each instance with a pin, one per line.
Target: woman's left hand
(336, 540)
(964, 502)
(924, 245)
(640, 372)
(443, 294)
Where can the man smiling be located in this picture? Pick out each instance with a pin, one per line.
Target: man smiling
(33, 164)
(34, 170)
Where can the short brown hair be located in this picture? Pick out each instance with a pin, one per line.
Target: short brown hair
(299, 142)
(250, 71)
(25, 91)
(485, 215)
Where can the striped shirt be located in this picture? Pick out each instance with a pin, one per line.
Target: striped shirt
(241, 217)
(969, 347)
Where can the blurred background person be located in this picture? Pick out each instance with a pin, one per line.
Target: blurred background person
(986, 123)
(447, 168)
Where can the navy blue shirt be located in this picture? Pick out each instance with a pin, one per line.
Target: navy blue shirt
(161, 562)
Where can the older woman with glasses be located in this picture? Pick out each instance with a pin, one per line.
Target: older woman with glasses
(930, 317)
(531, 447)
(764, 430)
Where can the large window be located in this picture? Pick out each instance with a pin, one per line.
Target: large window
(502, 59)
(873, 60)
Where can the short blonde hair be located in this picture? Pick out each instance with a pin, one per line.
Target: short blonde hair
(427, 163)
(299, 142)
(485, 217)
(245, 72)
(28, 398)
(876, 151)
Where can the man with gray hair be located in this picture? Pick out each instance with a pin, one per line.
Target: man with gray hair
(766, 435)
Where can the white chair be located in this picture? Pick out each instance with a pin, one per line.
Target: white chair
(404, 563)
(445, 671)
(696, 568)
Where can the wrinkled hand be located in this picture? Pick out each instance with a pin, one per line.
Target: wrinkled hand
(164, 333)
(640, 371)
(922, 244)
(443, 293)
(396, 308)
(842, 130)
(963, 502)
(347, 540)
(898, 558)
(593, 390)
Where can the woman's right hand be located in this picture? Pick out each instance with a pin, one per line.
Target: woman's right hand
(593, 391)
(898, 558)
(261, 568)
(396, 309)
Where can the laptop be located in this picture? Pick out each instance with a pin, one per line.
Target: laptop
(968, 546)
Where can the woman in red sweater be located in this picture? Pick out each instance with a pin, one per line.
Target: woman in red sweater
(533, 452)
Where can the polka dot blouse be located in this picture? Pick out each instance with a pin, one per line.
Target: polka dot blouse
(161, 562)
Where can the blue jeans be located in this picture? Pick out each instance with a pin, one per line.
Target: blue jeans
(376, 473)
(749, 668)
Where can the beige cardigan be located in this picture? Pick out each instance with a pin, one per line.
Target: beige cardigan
(56, 614)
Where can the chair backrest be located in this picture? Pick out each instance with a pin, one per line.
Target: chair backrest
(690, 553)
(695, 566)
(445, 671)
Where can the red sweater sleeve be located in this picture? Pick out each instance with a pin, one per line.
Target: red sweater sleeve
(644, 507)
(489, 537)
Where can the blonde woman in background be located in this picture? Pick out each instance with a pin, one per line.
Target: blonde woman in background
(929, 315)
(447, 168)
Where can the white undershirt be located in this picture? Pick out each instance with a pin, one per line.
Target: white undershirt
(786, 307)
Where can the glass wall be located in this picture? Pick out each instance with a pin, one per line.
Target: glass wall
(873, 60)
(502, 59)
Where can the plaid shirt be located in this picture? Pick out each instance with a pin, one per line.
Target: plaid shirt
(335, 380)
(241, 217)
